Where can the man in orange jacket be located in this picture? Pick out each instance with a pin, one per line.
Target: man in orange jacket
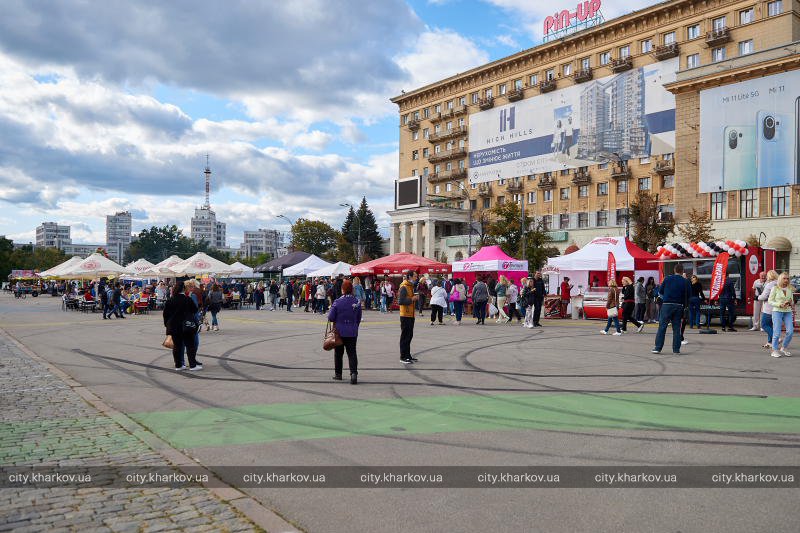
(406, 300)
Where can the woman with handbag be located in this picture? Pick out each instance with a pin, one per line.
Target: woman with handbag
(438, 302)
(180, 319)
(345, 314)
(458, 295)
(612, 308)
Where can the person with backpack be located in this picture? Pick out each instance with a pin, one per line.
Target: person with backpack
(480, 297)
(214, 306)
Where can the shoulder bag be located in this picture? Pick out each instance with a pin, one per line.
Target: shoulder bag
(332, 338)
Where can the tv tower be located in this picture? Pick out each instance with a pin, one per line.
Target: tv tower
(207, 172)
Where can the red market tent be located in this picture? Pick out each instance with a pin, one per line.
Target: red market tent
(399, 263)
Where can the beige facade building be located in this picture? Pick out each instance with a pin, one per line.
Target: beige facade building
(705, 43)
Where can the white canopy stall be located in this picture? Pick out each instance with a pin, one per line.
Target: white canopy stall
(331, 271)
(93, 267)
(202, 263)
(306, 266)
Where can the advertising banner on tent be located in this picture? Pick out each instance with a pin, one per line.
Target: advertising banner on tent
(612, 267)
(718, 275)
(628, 114)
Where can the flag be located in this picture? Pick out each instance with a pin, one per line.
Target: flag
(612, 268)
(718, 275)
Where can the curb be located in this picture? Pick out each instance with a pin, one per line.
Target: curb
(261, 516)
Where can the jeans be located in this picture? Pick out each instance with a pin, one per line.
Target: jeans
(458, 308)
(694, 311)
(289, 304)
(368, 298)
(406, 334)
(782, 318)
(670, 314)
(480, 310)
(436, 311)
(274, 301)
(616, 323)
(349, 344)
(727, 312)
(214, 321)
(383, 303)
(529, 316)
(766, 325)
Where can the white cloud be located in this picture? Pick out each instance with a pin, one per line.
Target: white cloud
(438, 54)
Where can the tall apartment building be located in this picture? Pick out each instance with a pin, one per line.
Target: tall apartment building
(577, 125)
(262, 241)
(53, 235)
(118, 235)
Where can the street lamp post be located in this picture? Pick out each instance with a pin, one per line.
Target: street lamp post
(469, 204)
(358, 238)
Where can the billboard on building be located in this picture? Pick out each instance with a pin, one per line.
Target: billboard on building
(628, 114)
(748, 134)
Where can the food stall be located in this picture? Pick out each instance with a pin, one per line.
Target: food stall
(491, 261)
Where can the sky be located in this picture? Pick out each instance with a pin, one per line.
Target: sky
(113, 105)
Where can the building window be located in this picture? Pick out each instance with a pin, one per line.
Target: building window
(669, 38)
(586, 63)
(693, 32)
(415, 155)
(437, 149)
(549, 74)
(473, 186)
(424, 171)
(774, 8)
(747, 16)
(437, 168)
(718, 23)
(602, 166)
(462, 101)
(518, 84)
(437, 189)
(719, 206)
(415, 135)
(502, 89)
(475, 98)
(532, 197)
(426, 152)
(501, 200)
(567, 69)
(583, 220)
(644, 160)
(667, 157)
(647, 46)
(461, 164)
(448, 166)
(473, 204)
(749, 203)
(564, 193)
(746, 47)
(416, 115)
(624, 51)
(534, 80)
(426, 112)
(622, 216)
(437, 108)
(605, 58)
(565, 172)
(405, 120)
(449, 126)
(583, 191)
(450, 104)
(693, 61)
(426, 133)
(501, 181)
(489, 93)
(668, 182)
(644, 184)
(413, 171)
(718, 54)
(563, 221)
(602, 189)
(515, 198)
(781, 201)
(622, 186)
(547, 222)
(548, 195)
(602, 218)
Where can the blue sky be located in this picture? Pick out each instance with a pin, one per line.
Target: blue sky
(112, 106)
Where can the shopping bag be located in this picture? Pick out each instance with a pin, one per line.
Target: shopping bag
(492, 310)
(168, 343)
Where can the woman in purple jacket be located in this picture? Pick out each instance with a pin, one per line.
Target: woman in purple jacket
(345, 313)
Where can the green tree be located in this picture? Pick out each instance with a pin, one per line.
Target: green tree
(260, 259)
(313, 236)
(156, 244)
(648, 229)
(699, 228)
(538, 245)
(371, 239)
(504, 229)
(27, 258)
(345, 251)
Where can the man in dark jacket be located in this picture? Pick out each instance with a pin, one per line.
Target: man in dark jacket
(727, 305)
(180, 312)
(116, 301)
(273, 294)
(538, 298)
(674, 292)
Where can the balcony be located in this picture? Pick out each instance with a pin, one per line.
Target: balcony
(718, 37)
(514, 185)
(547, 183)
(413, 124)
(486, 103)
(583, 75)
(665, 168)
(450, 113)
(620, 172)
(484, 189)
(516, 95)
(547, 86)
(448, 175)
(667, 51)
(621, 64)
(447, 155)
(448, 134)
(581, 177)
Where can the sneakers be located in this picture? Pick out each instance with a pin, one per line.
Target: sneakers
(604, 332)
(337, 377)
(654, 350)
(216, 328)
(198, 366)
(530, 326)
(180, 368)
(617, 333)
(776, 354)
(786, 352)
(684, 342)
(640, 328)
(406, 361)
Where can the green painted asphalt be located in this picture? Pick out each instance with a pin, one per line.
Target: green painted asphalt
(250, 424)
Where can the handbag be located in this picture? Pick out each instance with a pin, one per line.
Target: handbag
(168, 343)
(492, 310)
(611, 312)
(331, 339)
(455, 296)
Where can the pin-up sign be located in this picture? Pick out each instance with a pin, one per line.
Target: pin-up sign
(586, 14)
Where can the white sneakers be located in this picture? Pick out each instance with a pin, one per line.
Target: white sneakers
(617, 333)
(640, 328)
(604, 332)
(783, 352)
(776, 353)
(786, 352)
(684, 342)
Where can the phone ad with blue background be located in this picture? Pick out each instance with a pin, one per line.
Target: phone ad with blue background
(749, 134)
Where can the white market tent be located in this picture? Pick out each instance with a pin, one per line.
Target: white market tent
(246, 271)
(94, 266)
(332, 271)
(57, 270)
(307, 265)
(162, 269)
(202, 263)
(139, 267)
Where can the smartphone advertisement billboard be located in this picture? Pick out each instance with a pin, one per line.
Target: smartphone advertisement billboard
(626, 115)
(748, 134)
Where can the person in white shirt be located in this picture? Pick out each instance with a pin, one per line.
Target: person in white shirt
(438, 301)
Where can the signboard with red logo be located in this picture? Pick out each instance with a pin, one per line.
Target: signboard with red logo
(612, 267)
(718, 276)
(564, 22)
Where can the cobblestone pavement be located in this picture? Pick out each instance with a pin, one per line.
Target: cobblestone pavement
(44, 422)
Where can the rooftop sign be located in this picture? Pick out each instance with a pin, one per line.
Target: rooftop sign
(586, 15)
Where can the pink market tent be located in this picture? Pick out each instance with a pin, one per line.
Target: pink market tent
(591, 262)
(399, 263)
(490, 259)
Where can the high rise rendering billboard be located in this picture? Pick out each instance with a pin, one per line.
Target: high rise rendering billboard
(749, 134)
(622, 116)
